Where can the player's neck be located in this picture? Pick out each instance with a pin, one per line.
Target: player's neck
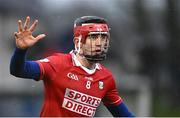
(84, 62)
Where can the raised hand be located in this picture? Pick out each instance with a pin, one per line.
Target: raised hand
(24, 38)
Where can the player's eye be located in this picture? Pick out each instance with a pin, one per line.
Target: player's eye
(104, 36)
(93, 36)
(96, 36)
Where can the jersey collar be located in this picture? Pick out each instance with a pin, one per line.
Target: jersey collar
(77, 63)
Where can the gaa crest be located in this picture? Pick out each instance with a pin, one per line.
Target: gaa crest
(101, 84)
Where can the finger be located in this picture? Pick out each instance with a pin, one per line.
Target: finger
(27, 22)
(41, 36)
(15, 34)
(33, 26)
(20, 26)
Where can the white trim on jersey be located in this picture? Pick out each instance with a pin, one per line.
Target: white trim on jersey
(77, 63)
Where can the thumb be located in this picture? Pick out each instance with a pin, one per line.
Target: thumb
(40, 36)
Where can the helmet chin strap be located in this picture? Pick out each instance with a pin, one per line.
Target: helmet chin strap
(78, 48)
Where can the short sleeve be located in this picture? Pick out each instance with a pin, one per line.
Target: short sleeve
(48, 66)
(112, 97)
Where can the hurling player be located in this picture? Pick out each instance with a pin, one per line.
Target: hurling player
(74, 83)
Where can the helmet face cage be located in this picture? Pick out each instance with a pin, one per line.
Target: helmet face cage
(93, 52)
(98, 46)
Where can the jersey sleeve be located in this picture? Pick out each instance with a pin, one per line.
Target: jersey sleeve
(112, 97)
(48, 66)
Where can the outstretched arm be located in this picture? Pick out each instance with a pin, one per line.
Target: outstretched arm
(19, 67)
(120, 110)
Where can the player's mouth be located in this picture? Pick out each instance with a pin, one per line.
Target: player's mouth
(98, 50)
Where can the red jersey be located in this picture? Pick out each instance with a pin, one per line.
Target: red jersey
(73, 90)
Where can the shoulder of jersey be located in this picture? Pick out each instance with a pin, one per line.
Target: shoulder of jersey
(105, 70)
(61, 56)
(56, 57)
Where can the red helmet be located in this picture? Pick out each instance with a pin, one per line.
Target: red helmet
(85, 29)
(92, 25)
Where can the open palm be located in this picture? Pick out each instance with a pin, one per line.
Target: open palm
(24, 37)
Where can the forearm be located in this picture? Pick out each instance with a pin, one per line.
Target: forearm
(120, 111)
(19, 67)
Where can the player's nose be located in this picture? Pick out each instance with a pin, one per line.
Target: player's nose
(98, 41)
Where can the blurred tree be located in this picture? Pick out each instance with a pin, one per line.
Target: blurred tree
(173, 51)
(150, 54)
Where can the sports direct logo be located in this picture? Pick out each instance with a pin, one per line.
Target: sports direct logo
(80, 103)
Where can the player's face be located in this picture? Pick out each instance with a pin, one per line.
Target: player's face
(96, 44)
